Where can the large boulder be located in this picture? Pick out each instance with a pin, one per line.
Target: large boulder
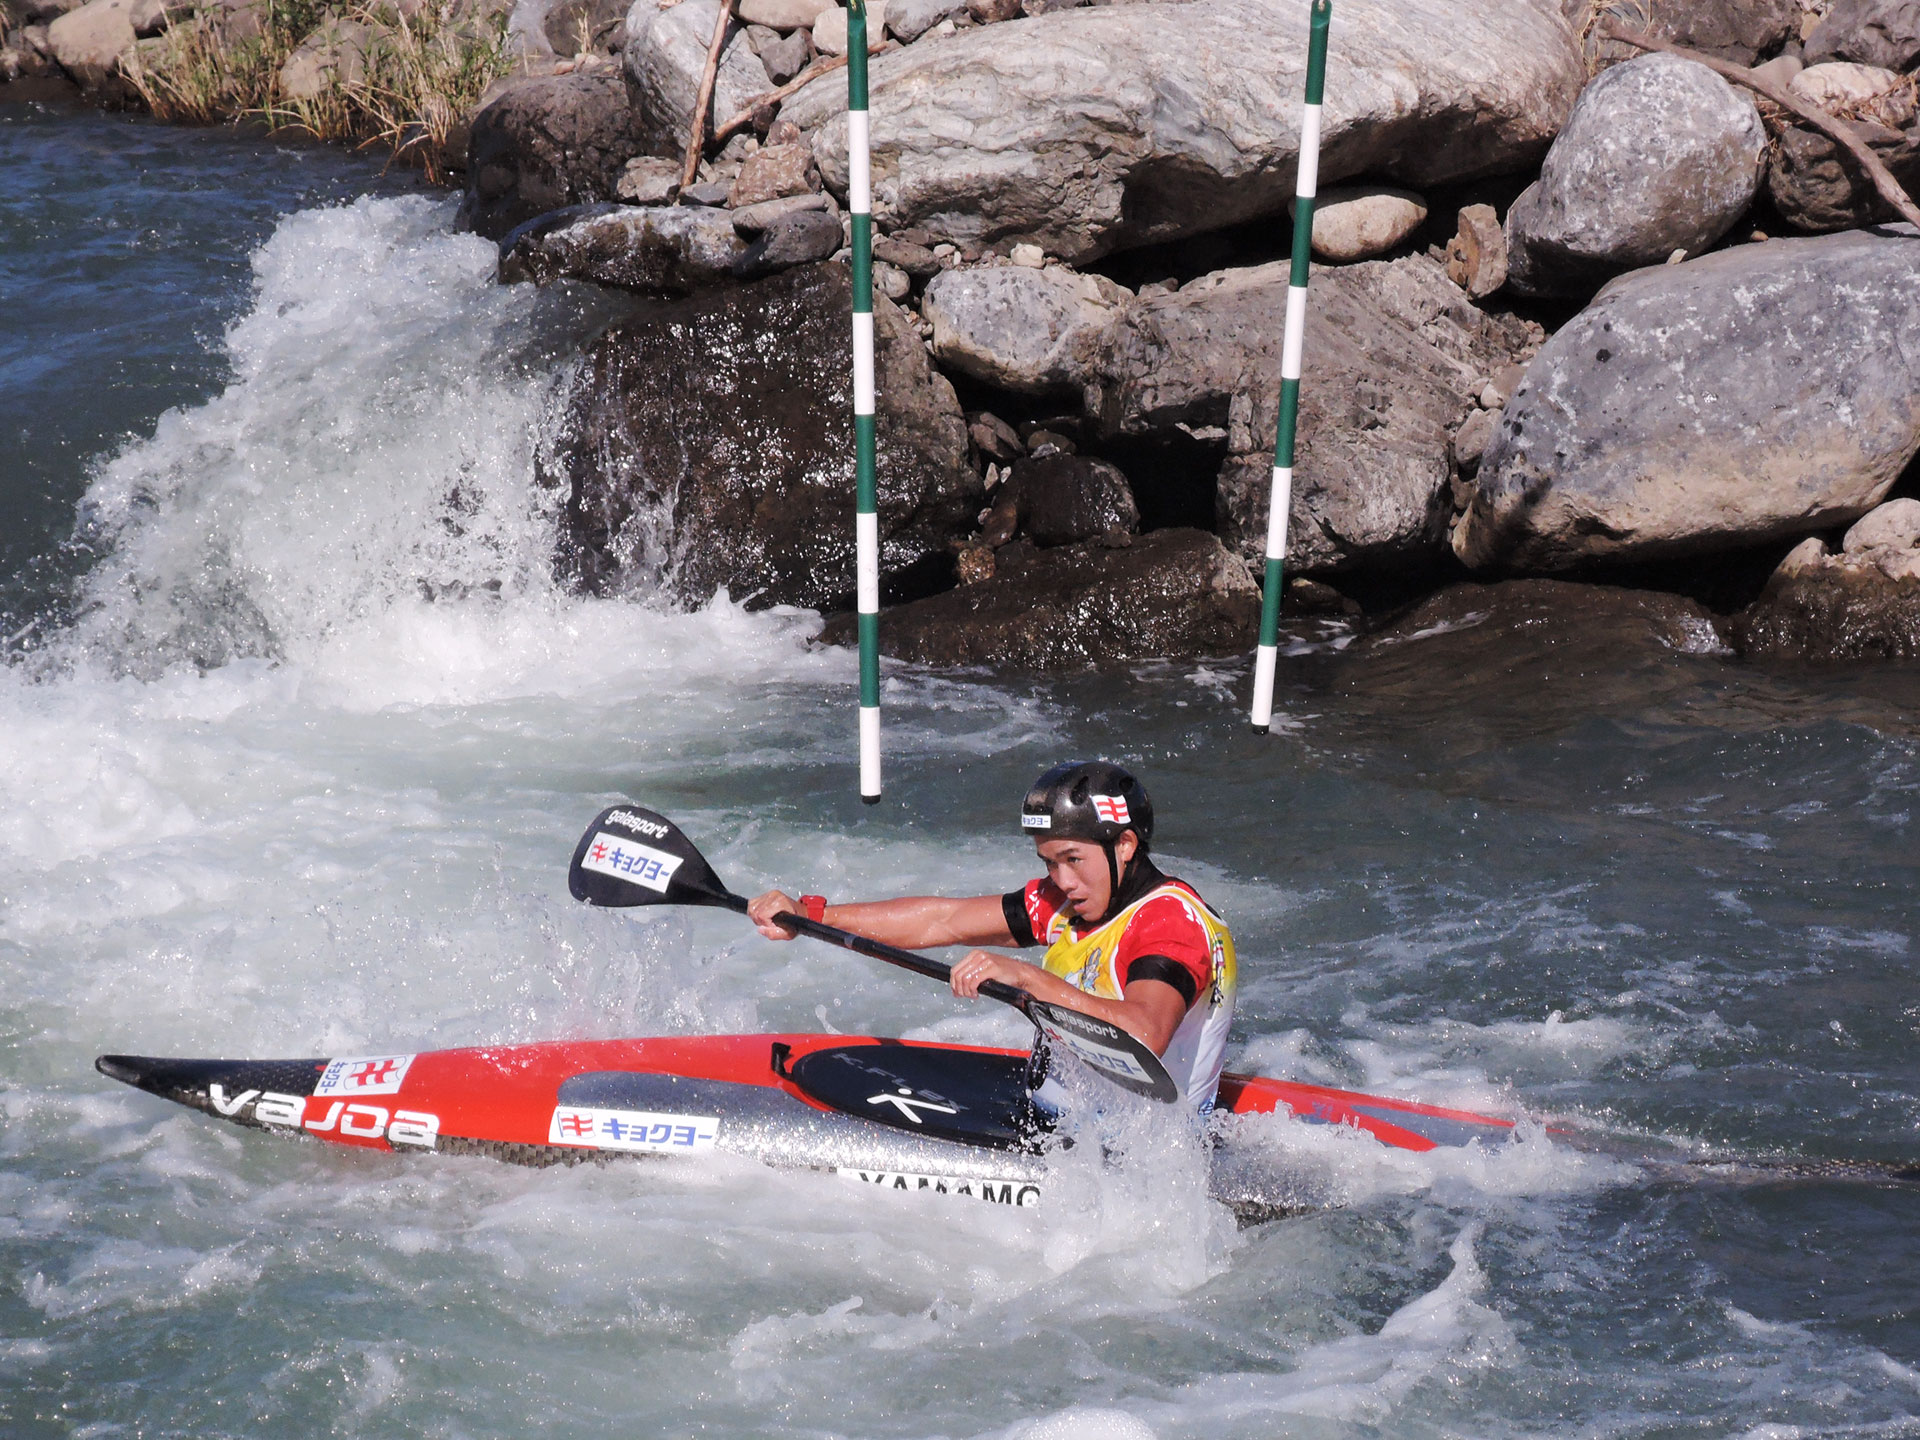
(709, 442)
(1394, 355)
(1872, 32)
(649, 249)
(1661, 155)
(88, 42)
(543, 144)
(1171, 592)
(1096, 129)
(665, 56)
(1762, 392)
(1029, 330)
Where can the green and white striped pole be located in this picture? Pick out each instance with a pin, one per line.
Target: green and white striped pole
(1291, 349)
(867, 520)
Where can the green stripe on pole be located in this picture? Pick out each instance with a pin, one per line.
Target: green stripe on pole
(866, 500)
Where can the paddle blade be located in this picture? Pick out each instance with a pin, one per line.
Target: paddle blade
(1105, 1047)
(632, 856)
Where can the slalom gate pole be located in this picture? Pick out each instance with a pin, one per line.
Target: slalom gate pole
(867, 521)
(1281, 501)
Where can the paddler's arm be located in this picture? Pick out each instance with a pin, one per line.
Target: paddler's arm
(1150, 1010)
(917, 922)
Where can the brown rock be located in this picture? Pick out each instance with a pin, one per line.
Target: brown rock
(1063, 499)
(1477, 255)
(1831, 612)
(987, 12)
(1169, 593)
(773, 172)
(994, 438)
(917, 260)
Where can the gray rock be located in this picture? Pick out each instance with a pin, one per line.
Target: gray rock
(1892, 526)
(793, 239)
(1742, 31)
(1168, 593)
(783, 14)
(546, 143)
(1873, 32)
(334, 53)
(1359, 222)
(784, 59)
(665, 55)
(737, 470)
(89, 41)
(910, 19)
(651, 250)
(830, 28)
(1816, 186)
(1394, 352)
(648, 180)
(1756, 394)
(1661, 154)
(752, 220)
(1028, 330)
(1095, 129)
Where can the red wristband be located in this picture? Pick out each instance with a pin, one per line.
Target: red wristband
(815, 906)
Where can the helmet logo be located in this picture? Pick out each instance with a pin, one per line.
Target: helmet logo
(1036, 822)
(1112, 809)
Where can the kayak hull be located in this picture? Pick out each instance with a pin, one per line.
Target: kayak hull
(897, 1113)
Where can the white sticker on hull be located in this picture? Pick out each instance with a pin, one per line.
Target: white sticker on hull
(1022, 1193)
(642, 1131)
(357, 1075)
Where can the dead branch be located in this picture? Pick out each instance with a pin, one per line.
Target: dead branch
(697, 132)
(1839, 130)
(806, 77)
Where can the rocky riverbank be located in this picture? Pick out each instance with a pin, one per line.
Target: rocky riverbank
(1596, 302)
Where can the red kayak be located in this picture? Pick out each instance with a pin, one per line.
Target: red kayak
(901, 1113)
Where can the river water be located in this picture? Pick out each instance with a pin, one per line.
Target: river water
(297, 735)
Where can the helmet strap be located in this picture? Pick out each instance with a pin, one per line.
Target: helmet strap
(1113, 878)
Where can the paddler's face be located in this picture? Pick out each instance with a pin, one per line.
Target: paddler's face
(1079, 868)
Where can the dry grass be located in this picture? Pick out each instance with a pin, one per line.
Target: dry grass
(417, 76)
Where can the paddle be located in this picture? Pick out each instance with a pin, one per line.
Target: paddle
(632, 856)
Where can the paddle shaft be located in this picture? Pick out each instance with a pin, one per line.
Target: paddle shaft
(880, 950)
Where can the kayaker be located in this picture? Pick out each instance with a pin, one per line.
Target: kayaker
(1124, 942)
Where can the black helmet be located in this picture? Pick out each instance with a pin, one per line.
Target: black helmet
(1087, 800)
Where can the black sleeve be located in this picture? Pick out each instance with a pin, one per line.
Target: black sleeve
(1159, 967)
(1014, 905)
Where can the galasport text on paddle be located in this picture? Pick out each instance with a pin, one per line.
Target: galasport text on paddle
(630, 855)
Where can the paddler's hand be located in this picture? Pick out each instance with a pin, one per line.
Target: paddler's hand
(980, 966)
(762, 908)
